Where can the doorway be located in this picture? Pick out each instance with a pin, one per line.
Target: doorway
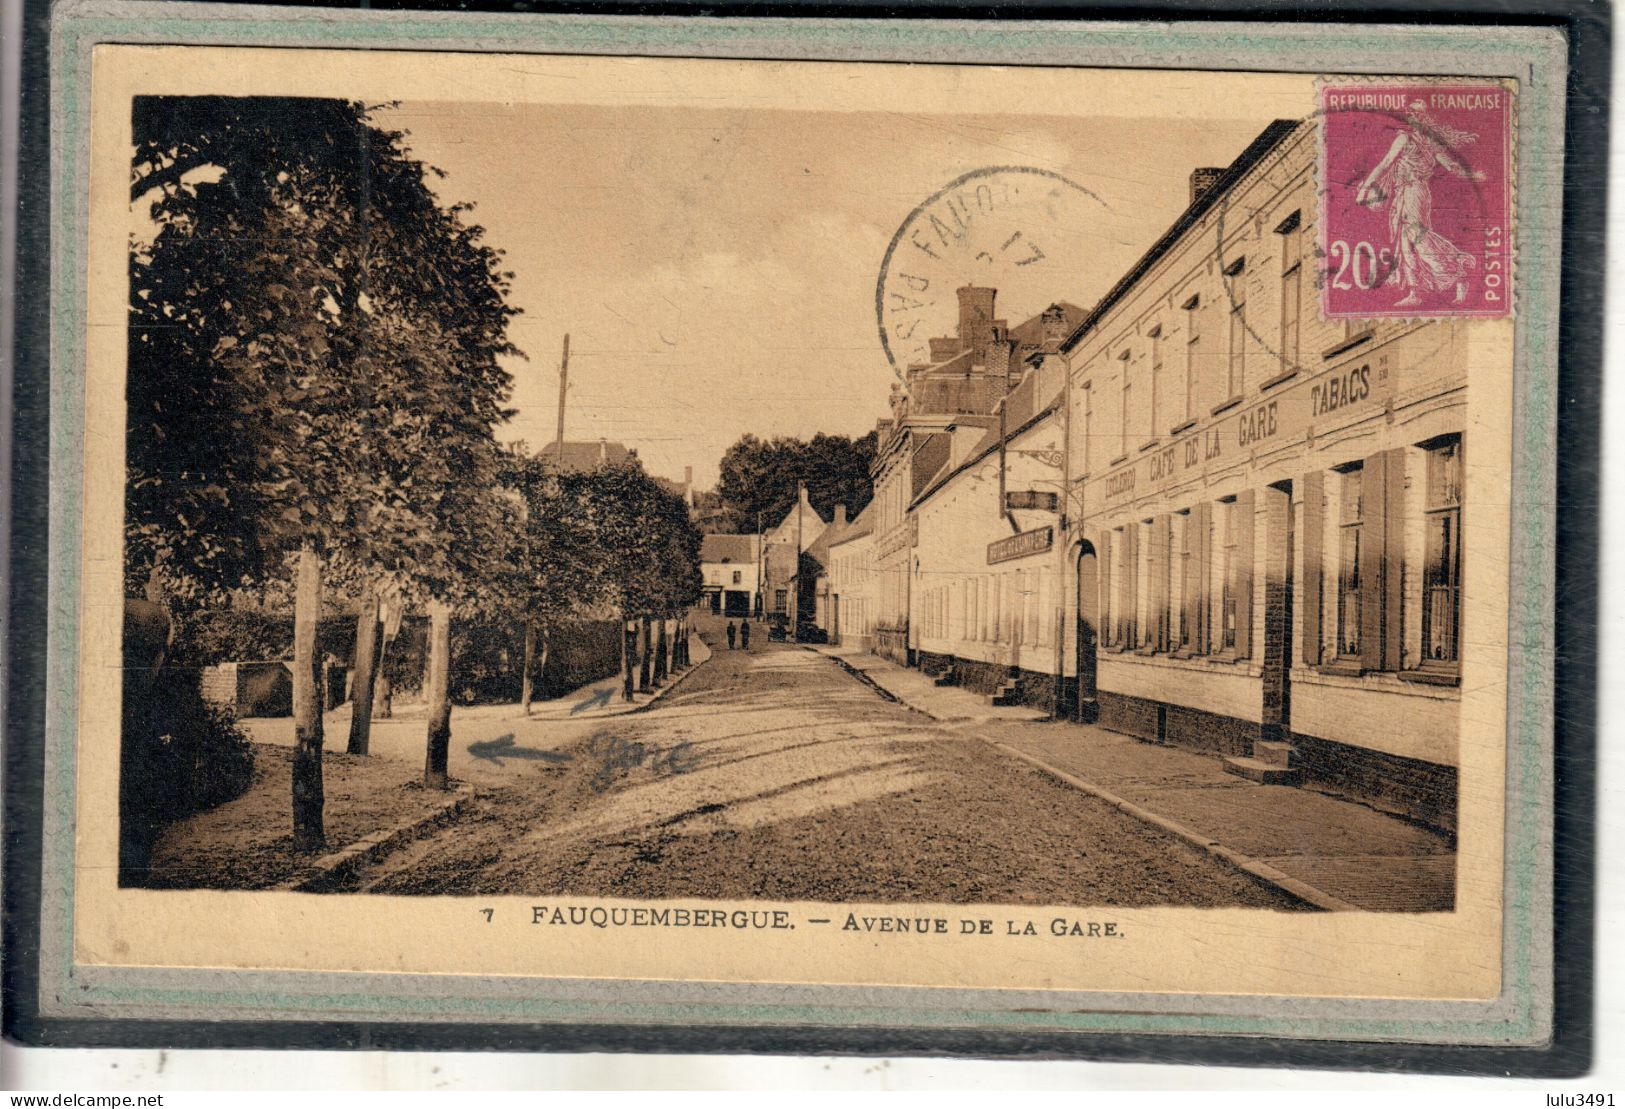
(1087, 709)
(1278, 602)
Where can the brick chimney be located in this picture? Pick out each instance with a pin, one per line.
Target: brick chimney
(840, 515)
(1204, 179)
(976, 317)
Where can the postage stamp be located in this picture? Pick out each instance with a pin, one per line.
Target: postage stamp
(1416, 181)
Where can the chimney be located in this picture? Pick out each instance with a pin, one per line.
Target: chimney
(688, 478)
(1204, 179)
(840, 515)
(975, 317)
(1052, 328)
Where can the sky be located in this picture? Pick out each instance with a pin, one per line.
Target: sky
(715, 266)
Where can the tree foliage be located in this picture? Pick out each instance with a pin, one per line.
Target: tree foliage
(760, 476)
(314, 349)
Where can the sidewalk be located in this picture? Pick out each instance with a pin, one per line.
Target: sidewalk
(1332, 853)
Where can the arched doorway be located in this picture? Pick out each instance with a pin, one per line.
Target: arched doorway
(1087, 708)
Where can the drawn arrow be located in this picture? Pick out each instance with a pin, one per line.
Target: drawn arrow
(599, 699)
(495, 750)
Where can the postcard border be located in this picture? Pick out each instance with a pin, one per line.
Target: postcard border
(1518, 1018)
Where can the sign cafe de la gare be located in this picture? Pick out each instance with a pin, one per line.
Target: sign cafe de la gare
(1290, 413)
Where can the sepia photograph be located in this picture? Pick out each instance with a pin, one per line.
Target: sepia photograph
(528, 500)
(557, 533)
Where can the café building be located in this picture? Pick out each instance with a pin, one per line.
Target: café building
(1267, 551)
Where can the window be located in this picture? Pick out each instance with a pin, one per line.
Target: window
(1145, 616)
(1351, 523)
(1108, 635)
(1238, 330)
(1291, 232)
(1184, 633)
(1154, 401)
(779, 597)
(1088, 424)
(739, 576)
(1193, 352)
(1128, 386)
(1441, 574)
(1230, 600)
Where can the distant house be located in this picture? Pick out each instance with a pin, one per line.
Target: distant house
(845, 600)
(580, 456)
(786, 542)
(730, 566)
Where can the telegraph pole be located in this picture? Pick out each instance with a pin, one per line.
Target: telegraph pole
(564, 378)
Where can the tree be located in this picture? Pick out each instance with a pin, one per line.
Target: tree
(315, 347)
(759, 477)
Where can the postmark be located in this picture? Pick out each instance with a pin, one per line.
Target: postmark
(1415, 199)
(1021, 229)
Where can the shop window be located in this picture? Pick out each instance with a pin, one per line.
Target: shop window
(1441, 575)
(1351, 527)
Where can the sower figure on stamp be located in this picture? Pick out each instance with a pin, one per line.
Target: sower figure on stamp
(732, 631)
(1426, 260)
(744, 634)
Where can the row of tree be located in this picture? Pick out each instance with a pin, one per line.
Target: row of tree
(759, 477)
(316, 349)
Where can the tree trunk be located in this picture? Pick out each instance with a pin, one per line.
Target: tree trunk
(439, 695)
(643, 655)
(629, 647)
(662, 659)
(367, 658)
(545, 636)
(307, 716)
(530, 660)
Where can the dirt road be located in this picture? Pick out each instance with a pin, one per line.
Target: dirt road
(776, 775)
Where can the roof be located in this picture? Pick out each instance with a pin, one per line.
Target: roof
(582, 455)
(1267, 140)
(1022, 414)
(728, 548)
(861, 526)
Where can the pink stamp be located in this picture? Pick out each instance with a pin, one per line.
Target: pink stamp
(1415, 195)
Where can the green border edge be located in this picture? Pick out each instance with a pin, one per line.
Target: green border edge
(1525, 1006)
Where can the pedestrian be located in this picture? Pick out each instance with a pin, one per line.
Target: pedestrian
(732, 631)
(744, 634)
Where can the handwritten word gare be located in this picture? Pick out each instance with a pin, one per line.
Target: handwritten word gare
(615, 756)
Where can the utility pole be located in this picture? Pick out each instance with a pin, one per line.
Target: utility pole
(564, 378)
(795, 589)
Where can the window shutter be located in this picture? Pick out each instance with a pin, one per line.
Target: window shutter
(1157, 608)
(1373, 551)
(1310, 539)
(1393, 557)
(1242, 572)
(1126, 618)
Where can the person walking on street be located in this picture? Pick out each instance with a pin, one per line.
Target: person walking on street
(744, 634)
(732, 631)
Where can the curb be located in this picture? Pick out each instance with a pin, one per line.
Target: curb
(1260, 871)
(340, 864)
(867, 680)
(671, 684)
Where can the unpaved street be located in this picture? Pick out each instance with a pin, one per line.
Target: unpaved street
(776, 775)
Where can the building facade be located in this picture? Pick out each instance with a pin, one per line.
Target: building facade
(846, 589)
(1268, 556)
(730, 568)
(991, 608)
(788, 578)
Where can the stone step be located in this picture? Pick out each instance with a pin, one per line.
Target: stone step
(1259, 771)
(942, 678)
(1007, 694)
(1276, 754)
